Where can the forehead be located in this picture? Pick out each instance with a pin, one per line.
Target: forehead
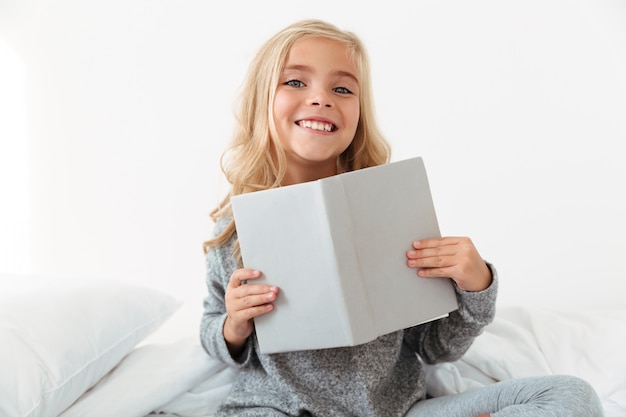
(322, 54)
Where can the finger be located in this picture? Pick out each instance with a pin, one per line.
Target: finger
(431, 262)
(248, 296)
(245, 308)
(432, 252)
(437, 242)
(252, 312)
(257, 300)
(433, 272)
(260, 292)
(257, 289)
(240, 276)
(428, 243)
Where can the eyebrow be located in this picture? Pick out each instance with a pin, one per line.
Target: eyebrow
(306, 68)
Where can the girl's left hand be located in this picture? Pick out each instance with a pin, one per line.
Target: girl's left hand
(453, 257)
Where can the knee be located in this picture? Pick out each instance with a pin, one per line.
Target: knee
(581, 396)
(576, 385)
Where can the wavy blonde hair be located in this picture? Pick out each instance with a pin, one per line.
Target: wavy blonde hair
(255, 160)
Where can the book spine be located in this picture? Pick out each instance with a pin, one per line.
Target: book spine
(359, 320)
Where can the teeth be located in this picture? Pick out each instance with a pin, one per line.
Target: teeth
(313, 124)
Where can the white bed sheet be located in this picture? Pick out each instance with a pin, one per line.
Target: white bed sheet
(60, 336)
(531, 341)
(179, 376)
(179, 379)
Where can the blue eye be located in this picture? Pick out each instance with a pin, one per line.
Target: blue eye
(295, 83)
(342, 90)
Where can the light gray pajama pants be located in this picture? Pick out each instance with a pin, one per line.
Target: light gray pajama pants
(543, 396)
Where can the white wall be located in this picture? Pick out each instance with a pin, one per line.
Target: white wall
(14, 162)
(518, 108)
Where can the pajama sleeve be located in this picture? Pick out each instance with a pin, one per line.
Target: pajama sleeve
(447, 339)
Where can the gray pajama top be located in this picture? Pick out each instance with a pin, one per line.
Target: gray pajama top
(379, 378)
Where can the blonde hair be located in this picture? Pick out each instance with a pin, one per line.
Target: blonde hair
(254, 160)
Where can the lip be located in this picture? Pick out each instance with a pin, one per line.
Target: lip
(318, 120)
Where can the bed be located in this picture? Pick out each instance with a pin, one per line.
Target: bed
(88, 348)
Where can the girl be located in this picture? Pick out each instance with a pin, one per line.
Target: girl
(306, 113)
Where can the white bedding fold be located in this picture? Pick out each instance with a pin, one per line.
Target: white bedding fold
(181, 379)
(202, 400)
(146, 379)
(531, 341)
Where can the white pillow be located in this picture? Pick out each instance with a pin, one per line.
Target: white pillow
(58, 342)
(525, 341)
(165, 372)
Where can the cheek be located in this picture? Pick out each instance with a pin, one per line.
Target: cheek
(354, 115)
(281, 107)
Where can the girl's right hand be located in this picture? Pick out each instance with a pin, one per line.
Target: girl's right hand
(245, 301)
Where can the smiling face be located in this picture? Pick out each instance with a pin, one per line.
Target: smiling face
(316, 107)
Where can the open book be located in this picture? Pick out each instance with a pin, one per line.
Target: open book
(336, 248)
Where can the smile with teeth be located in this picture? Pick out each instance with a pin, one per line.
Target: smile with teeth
(316, 125)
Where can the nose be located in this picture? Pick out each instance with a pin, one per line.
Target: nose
(320, 98)
(315, 103)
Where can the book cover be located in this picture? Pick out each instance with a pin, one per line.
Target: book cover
(336, 249)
